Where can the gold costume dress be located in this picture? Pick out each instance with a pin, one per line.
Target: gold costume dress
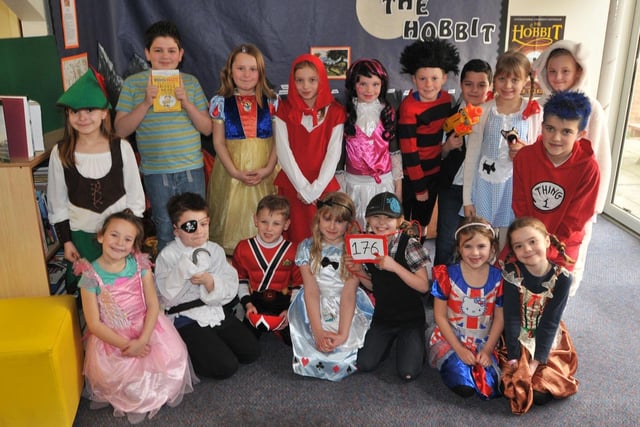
(249, 140)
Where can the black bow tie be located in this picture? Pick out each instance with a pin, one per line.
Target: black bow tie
(325, 261)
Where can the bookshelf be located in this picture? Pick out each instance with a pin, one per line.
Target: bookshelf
(23, 270)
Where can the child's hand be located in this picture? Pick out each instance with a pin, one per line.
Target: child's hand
(387, 263)
(422, 197)
(203, 279)
(262, 173)
(181, 92)
(324, 341)
(469, 210)
(484, 358)
(337, 339)
(71, 253)
(514, 148)
(136, 348)
(151, 92)
(249, 178)
(250, 308)
(285, 322)
(453, 142)
(352, 266)
(467, 356)
(303, 200)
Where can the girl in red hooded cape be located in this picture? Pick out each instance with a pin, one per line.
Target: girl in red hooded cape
(308, 131)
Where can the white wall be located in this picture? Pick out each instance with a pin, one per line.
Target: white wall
(34, 16)
(586, 22)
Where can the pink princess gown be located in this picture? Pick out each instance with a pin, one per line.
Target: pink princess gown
(133, 386)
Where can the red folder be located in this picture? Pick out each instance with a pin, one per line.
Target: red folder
(18, 124)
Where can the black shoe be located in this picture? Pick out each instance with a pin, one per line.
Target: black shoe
(541, 398)
(463, 391)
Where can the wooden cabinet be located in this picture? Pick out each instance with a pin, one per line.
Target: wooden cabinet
(23, 259)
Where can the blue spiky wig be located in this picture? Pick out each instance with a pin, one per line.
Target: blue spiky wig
(432, 53)
(569, 105)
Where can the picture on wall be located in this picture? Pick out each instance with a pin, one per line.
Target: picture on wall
(336, 59)
(531, 35)
(69, 24)
(73, 67)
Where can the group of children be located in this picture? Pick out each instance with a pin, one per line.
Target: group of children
(341, 170)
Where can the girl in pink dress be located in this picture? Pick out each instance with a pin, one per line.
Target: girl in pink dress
(135, 359)
(373, 157)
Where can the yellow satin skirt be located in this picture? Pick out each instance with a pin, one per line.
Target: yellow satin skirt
(232, 204)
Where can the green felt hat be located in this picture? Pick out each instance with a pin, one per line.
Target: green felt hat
(86, 92)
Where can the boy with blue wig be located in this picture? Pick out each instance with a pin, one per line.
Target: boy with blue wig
(556, 178)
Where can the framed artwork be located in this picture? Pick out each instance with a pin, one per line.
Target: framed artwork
(73, 67)
(336, 59)
(69, 24)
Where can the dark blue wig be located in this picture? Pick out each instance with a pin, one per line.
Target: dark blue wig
(569, 105)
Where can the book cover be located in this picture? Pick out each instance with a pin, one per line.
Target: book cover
(57, 270)
(4, 146)
(35, 114)
(48, 231)
(18, 126)
(167, 82)
(531, 35)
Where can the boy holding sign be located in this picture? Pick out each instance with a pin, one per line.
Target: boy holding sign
(398, 281)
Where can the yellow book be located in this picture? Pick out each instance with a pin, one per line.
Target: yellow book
(167, 82)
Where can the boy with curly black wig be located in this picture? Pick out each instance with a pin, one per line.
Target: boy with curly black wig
(420, 118)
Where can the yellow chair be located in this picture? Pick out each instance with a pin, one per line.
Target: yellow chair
(41, 361)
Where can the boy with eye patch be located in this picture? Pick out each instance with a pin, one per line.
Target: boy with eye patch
(198, 289)
(556, 179)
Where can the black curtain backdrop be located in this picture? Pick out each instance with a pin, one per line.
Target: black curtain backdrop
(284, 29)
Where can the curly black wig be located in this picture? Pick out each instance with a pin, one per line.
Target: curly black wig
(434, 53)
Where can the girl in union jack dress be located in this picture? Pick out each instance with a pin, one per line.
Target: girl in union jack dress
(468, 311)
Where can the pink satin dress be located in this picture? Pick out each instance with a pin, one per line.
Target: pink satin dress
(133, 386)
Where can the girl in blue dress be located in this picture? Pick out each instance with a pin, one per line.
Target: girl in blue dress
(508, 123)
(330, 316)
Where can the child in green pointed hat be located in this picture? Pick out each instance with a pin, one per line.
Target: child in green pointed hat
(92, 173)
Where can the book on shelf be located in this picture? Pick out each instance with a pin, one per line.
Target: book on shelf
(57, 270)
(35, 114)
(49, 236)
(167, 82)
(40, 177)
(4, 146)
(17, 123)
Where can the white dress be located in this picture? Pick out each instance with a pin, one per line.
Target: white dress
(307, 359)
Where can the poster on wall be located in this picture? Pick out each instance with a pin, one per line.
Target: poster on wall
(73, 67)
(69, 24)
(531, 35)
(336, 60)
